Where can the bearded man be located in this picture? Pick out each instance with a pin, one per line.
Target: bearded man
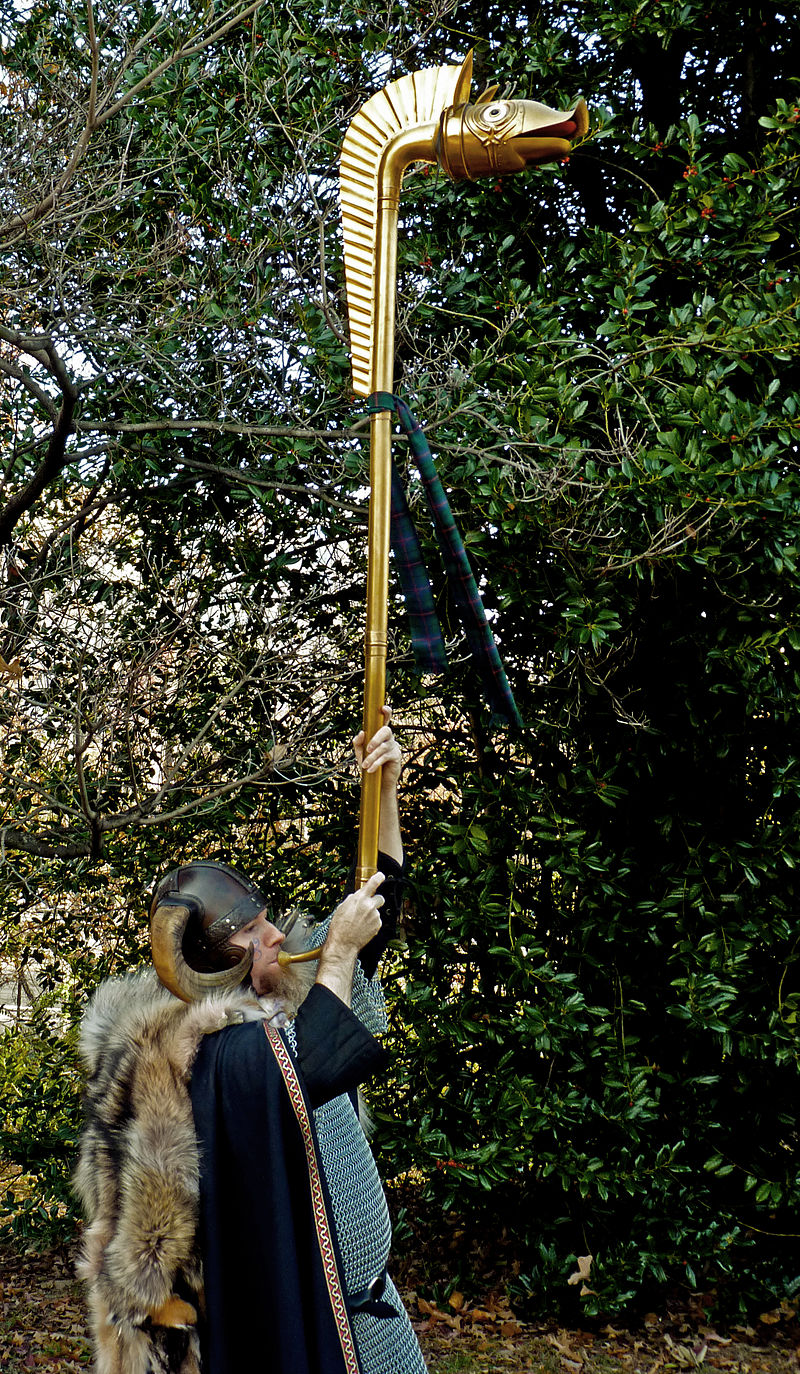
(236, 1218)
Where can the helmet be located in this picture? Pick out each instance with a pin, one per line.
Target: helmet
(195, 910)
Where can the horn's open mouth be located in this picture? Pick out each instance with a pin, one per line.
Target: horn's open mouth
(566, 125)
(568, 129)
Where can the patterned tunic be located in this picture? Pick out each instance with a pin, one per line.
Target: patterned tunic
(386, 1345)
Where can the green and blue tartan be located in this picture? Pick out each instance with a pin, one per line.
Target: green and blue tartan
(426, 635)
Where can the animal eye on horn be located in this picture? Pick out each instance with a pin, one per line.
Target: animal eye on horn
(167, 929)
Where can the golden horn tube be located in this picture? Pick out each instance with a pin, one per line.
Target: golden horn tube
(411, 145)
(376, 631)
(304, 957)
(396, 159)
(421, 143)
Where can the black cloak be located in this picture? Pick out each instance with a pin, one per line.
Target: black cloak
(270, 1254)
(274, 1299)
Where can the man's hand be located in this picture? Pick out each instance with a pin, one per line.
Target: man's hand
(356, 919)
(353, 924)
(383, 751)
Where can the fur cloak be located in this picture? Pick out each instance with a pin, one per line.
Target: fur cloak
(138, 1171)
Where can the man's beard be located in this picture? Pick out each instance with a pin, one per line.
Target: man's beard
(293, 985)
(294, 981)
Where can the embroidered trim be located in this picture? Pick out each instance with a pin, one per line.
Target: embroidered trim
(321, 1221)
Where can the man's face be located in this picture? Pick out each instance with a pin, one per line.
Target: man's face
(266, 940)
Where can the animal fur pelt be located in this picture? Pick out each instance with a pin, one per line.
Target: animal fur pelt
(138, 1171)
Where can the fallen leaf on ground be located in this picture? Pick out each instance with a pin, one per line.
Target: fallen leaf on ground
(582, 1272)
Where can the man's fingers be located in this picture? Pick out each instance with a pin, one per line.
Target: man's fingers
(380, 737)
(381, 749)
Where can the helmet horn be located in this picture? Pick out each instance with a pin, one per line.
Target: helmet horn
(167, 928)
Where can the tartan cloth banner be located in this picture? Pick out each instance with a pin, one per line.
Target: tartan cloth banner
(427, 640)
(426, 634)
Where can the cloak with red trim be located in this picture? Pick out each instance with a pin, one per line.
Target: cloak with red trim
(274, 1297)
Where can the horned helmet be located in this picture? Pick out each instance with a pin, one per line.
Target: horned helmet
(195, 910)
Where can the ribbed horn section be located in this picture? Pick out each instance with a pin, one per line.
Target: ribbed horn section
(416, 99)
(167, 928)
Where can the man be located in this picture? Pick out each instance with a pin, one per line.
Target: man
(261, 1242)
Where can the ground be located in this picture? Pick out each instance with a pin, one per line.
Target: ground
(43, 1327)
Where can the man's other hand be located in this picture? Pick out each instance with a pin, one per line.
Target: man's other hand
(357, 918)
(353, 924)
(382, 751)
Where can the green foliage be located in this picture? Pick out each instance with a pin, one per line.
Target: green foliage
(41, 1120)
(595, 1020)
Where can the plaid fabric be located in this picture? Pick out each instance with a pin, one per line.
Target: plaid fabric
(426, 634)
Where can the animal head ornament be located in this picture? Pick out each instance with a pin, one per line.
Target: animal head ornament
(427, 117)
(494, 136)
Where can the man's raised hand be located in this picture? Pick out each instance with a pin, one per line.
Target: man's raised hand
(382, 751)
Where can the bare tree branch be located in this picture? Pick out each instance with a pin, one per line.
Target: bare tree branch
(193, 422)
(43, 350)
(19, 375)
(99, 111)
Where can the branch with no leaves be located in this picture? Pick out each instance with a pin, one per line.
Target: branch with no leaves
(17, 374)
(103, 105)
(41, 348)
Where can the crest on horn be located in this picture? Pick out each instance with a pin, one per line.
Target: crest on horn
(411, 102)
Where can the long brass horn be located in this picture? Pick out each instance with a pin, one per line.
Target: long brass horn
(167, 929)
(425, 116)
(422, 117)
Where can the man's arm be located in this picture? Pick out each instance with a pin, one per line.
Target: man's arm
(335, 1050)
(383, 752)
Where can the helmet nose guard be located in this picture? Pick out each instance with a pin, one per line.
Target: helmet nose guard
(213, 901)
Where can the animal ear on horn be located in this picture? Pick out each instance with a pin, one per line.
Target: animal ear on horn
(167, 929)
